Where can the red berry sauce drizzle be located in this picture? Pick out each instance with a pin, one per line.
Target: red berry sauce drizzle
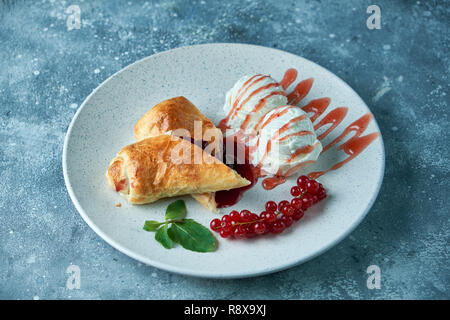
(304, 196)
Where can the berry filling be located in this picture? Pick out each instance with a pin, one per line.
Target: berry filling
(238, 160)
(242, 166)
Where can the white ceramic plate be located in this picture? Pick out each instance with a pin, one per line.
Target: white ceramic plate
(104, 124)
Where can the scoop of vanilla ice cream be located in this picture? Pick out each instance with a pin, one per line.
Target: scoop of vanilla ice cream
(250, 99)
(286, 140)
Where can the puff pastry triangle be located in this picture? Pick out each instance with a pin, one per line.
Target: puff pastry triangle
(168, 166)
(170, 115)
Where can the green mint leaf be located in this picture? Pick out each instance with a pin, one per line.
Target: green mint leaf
(152, 225)
(176, 210)
(192, 236)
(163, 237)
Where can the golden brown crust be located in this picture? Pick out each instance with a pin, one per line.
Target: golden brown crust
(167, 166)
(171, 114)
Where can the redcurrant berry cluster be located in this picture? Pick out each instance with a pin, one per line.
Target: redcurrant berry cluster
(276, 218)
(307, 192)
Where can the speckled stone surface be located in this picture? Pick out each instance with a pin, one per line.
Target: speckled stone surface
(401, 71)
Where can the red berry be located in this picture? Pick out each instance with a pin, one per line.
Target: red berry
(227, 218)
(315, 199)
(288, 221)
(268, 228)
(225, 233)
(296, 203)
(322, 194)
(302, 181)
(307, 202)
(234, 215)
(245, 216)
(271, 206)
(225, 225)
(288, 210)
(298, 214)
(313, 186)
(259, 227)
(215, 224)
(270, 217)
(262, 215)
(278, 226)
(242, 230)
(246, 229)
(239, 232)
(296, 191)
(281, 204)
(253, 216)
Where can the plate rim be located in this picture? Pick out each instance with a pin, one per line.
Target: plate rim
(202, 274)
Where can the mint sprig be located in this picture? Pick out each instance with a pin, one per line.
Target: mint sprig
(189, 234)
(176, 210)
(152, 225)
(193, 236)
(162, 237)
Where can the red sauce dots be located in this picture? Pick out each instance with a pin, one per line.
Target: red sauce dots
(276, 217)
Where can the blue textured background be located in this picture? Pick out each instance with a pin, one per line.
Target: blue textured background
(401, 71)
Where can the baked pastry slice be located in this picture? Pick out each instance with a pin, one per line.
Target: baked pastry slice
(168, 166)
(170, 115)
